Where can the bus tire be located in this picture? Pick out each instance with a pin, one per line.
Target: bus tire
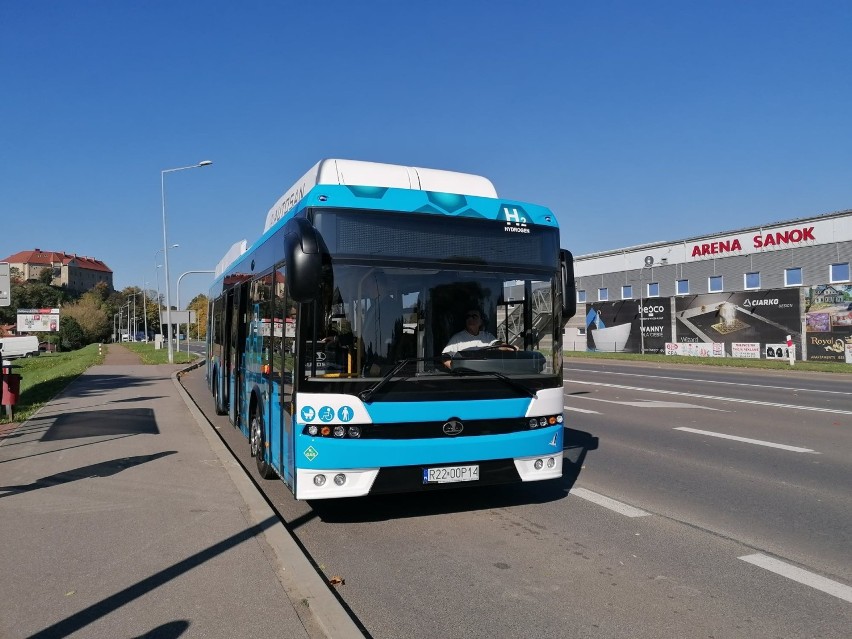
(217, 403)
(257, 441)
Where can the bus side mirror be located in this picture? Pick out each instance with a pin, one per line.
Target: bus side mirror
(303, 253)
(569, 288)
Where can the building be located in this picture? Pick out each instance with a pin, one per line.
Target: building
(74, 272)
(742, 290)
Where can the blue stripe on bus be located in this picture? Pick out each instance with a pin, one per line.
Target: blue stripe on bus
(317, 453)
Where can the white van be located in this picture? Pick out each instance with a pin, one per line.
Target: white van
(13, 347)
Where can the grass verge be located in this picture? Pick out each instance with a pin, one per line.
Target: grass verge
(151, 355)
(44, 376)
(730, 362)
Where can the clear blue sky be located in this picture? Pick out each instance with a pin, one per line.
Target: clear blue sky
(634, 121)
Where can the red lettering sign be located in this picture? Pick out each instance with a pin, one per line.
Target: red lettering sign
(716, 248)
(784, 237)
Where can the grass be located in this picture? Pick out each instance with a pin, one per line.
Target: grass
(730, 362)
(151, 355)
(44, 376)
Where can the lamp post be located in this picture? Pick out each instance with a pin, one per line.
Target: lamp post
(166, 250)
(178, 302)
(649, 263)
(157, 278)
(144, 311)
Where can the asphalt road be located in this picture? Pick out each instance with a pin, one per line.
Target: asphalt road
(655, 532)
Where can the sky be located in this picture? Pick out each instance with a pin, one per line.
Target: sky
(633, 121)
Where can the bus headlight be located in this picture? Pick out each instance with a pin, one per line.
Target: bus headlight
(355, 431)
(340, 479)
(313, 431)
(319, 480)
(538, 464)
(339, 431)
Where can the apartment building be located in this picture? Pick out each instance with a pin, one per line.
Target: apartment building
(74, 272)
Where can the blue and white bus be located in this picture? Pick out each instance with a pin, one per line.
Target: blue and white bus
(325, 335)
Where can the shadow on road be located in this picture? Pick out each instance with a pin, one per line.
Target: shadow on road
(101, 469)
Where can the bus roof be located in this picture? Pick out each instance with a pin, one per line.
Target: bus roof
(360, 173)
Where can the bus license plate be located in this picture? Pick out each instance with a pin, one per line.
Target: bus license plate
(450, 474)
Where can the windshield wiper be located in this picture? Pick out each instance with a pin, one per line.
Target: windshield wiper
(367, 394)
(526, 390)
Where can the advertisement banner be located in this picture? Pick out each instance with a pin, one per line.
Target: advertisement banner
(620, 326)
(35, 320)
(695, 349)
(745, 317)
(828, 321)
(746, 350)
(779, 351)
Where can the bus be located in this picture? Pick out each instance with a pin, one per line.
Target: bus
(325, 336)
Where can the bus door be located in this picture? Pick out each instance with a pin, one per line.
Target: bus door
(283, 373)
(227, 322)
(239, 306)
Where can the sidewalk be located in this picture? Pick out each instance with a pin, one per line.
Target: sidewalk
(123, 515)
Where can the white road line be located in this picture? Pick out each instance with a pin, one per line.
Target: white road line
(606, 502)
(805, 577)
(581, 410)
(716, 381)
(650, 403)
(759, 442)
(714, 397)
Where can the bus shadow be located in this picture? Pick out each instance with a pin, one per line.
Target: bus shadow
(467, 499)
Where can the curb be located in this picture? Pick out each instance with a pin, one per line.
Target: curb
(317, 608)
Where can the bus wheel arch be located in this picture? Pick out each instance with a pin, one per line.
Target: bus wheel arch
(257, 439)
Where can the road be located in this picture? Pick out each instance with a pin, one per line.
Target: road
(666, 528)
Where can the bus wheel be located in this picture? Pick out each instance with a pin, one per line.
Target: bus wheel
(258, 446)
(216, 399)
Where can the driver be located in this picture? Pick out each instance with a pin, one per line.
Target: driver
(471, 337)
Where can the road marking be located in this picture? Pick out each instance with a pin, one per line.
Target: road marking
(606, 502)
(714, 397)
(759, 442)
(650, 403)
(581, 410)
(716, 381)
(805, 577)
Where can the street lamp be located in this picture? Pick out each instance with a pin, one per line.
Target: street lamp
(649, 263)
(157, 278)
(178, 302)
(166, 251)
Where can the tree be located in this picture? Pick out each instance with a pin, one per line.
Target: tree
(199, 305)
(31, 295)
(70, 333)
(91, 317)
(45, 276)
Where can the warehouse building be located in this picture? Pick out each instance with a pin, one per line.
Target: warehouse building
(736, 293)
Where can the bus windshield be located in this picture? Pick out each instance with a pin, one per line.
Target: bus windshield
(399, 286)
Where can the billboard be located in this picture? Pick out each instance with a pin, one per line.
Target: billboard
(35, 320)
(748, 317)
(620, 326)
(828, 322)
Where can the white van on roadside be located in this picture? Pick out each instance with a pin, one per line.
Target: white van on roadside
(12, 347)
